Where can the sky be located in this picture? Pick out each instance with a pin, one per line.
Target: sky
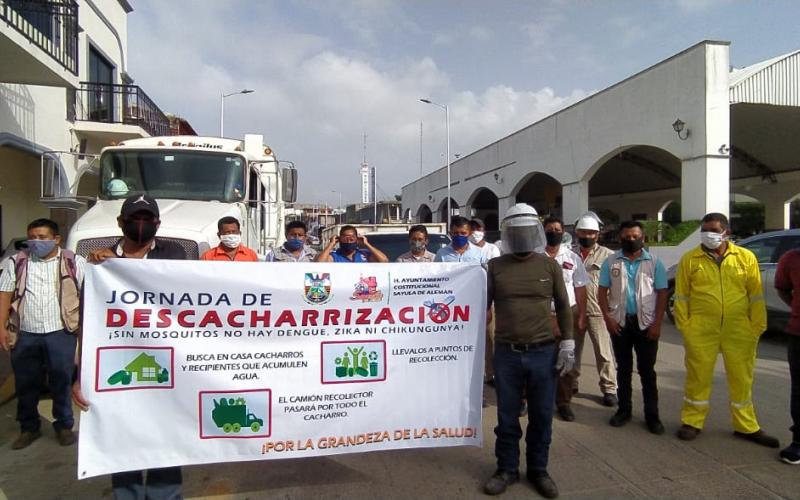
(327, 72)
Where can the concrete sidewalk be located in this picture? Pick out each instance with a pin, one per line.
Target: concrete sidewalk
(589, 459)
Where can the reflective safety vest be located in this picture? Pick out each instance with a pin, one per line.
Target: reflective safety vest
(645, 293)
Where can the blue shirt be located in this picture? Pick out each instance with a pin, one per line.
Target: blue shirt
(471, 254)
(632, 267)
(359, 257)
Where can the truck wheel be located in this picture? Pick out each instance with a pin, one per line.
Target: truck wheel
(237, 427)
(227, 428)
(255, 427)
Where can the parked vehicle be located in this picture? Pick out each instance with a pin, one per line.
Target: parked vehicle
(768, 249)
(396, 244)
(196, 181)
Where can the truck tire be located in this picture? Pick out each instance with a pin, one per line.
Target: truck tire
(237, 427)
(227, 428)
(255, 427)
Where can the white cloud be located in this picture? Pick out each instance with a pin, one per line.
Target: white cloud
(314, 100)
(694, 6)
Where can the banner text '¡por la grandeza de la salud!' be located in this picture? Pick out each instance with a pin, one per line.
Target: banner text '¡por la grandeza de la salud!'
(240, 318)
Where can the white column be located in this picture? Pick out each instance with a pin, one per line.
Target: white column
(575, 201)
(503, 204)
(705, 186)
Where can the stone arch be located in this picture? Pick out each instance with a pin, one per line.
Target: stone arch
(634, 182)
(407, 215)
(747, 214)
(454, 206)
(424, 214)
(542, 191)
(484, 205)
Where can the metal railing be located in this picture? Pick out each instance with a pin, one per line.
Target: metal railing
(114, 103)
(51, 25)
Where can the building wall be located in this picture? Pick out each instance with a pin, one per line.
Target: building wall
(19, 193)
(36, 116)
(571, 145)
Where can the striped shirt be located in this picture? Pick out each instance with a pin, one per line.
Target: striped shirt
(42, 313)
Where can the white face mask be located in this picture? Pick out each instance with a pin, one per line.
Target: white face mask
(711, 239)
(476, 237)
(231, 240)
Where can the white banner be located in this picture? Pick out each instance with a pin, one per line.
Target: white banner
(201, 362)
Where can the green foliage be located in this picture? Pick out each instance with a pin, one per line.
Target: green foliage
(671, 234)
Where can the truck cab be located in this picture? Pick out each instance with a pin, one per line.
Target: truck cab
(196, 181)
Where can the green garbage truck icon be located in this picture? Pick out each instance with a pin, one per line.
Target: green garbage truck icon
(231, 415)
(356, 362)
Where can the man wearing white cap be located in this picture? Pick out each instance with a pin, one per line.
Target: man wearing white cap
(587, 229)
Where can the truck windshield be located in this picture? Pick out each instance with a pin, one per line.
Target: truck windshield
(172, 174)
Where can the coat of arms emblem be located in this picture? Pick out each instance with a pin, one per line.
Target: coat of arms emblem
(317, 288)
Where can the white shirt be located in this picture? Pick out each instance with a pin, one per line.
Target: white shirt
(489, 250)
(42, 312)
(572, 268)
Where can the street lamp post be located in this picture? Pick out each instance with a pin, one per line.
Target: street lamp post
(222, 108)
(447, 128)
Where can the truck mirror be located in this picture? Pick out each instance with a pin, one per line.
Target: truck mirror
(289, 184)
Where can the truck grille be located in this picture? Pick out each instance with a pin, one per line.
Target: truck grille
(90, 244)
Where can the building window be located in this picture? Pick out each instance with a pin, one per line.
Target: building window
(148, 372)
(38, 14)
(101, 79)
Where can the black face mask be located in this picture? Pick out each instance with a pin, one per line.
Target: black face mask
(632, 246)
(586, 242)
(553, 238)
(139, 231)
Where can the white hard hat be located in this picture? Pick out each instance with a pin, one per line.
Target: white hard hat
(520, 214)
(588, 221)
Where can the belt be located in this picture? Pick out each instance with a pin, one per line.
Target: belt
(528, 347)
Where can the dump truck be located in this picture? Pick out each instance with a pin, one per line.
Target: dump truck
(231, 415)
(196, 181)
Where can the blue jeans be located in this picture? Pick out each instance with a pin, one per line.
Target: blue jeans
(162, 484)
(533, 369)
(34, 355)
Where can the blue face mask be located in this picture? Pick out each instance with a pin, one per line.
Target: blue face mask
(41, 248)
(348, 247)
(460, 241)
(293, 244)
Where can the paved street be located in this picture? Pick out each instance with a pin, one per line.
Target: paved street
(589, 459)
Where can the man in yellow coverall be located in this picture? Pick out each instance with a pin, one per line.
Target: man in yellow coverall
(719, 307)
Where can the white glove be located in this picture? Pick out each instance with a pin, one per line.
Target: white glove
(566, 357)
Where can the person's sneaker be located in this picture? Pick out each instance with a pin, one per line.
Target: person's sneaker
(500, 481)
(566, 414)
(543, 483)
(25, 439)
(759, 437)
(791, 454)
(65, 437)
(655, 426)
(610, 400)
(523, 408)
(688, 433)
(620, 418)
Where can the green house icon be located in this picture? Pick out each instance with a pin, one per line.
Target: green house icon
(145, 367)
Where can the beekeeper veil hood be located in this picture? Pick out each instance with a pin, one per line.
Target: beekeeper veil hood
(521, 229)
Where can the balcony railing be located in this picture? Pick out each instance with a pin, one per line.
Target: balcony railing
(52, 25)
(127, 104)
